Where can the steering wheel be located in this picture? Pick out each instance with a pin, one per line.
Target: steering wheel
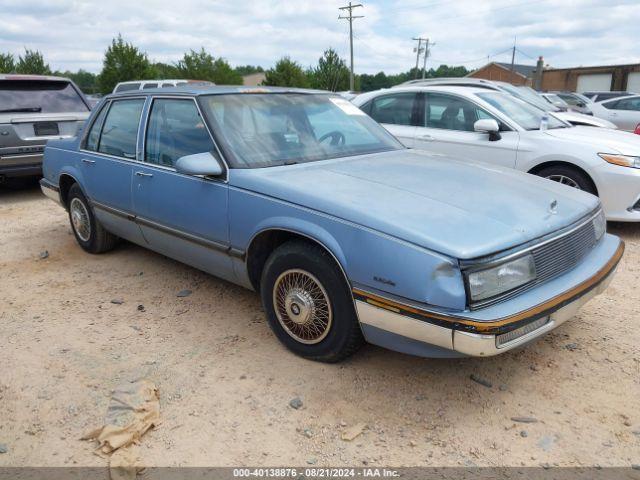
(337, 138)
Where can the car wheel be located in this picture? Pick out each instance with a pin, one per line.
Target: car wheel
(568, 176)
(88, 231)
(308, 303)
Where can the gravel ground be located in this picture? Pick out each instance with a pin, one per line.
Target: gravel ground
(226, 384)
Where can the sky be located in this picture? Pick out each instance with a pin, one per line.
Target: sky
(74, 34)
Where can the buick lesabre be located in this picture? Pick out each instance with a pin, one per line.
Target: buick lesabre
(347, 235)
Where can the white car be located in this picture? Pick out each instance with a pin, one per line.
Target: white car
(522, 92)
(145, 84)
(496, 127)
(623, 111)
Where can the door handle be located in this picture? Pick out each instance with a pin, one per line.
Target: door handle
(144, 174)
(425, 137)
(86, 160)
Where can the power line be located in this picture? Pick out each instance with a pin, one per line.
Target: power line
(351, 17)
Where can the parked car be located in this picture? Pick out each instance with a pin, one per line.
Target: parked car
(93, 99)
(601, 96)
(34, 109)
(524, 93)
(495, 127)
(146, 84)
(577, 102)
(623, 111)
(347, 235)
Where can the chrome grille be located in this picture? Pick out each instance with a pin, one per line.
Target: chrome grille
(552, 258)
(558, 256)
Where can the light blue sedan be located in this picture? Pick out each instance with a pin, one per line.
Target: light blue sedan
(347, 235)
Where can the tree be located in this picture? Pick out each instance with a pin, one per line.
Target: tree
(7, 63)
(32, 63)
(243, 70)
(164, 70)
(122, 62)
(286, 73)
(87, 81)
(331, 73)
(203, 66)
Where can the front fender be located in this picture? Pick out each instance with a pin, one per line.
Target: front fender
(371, 260)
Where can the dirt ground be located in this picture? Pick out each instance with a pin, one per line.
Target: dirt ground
(225, 382)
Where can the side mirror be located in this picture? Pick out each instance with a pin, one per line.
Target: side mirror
(490, 126)
(581, 104)
(199, 164)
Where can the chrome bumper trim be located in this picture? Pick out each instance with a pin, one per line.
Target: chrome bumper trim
(462, 342)
(50, 191)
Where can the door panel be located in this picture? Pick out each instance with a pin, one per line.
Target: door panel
(447, 127)
(107, 179)
(184, 217)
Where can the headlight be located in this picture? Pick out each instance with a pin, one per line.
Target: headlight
(600, 225)
(622, 160)
(488, 283)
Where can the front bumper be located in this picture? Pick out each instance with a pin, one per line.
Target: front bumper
(619, 191)
(410, 329)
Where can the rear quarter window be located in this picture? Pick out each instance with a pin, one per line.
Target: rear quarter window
(125, 87)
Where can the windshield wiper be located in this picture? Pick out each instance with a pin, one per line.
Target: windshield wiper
(21, 109)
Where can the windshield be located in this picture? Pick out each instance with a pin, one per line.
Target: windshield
(264, 130)
(35, 96)
(524, 114)
(530, 96)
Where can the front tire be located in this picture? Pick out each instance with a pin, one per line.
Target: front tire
(89, 232)
(308, 303)
(568, 176)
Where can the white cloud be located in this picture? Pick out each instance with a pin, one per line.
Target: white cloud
(73, 34)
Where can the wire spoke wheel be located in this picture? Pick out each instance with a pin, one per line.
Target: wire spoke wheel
(302, 306)
(80, 219)
(563, 179)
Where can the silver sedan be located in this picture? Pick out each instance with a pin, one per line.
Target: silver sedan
(623, 111)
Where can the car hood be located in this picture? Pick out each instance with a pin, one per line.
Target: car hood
(582, 119)
(461, 209)
(602, 139)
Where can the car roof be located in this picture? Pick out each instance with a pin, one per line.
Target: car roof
(197, 90)
(159, 80)
(19, 76)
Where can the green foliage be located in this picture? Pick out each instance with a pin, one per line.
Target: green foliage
(203, 66)
(331, 73)
(87, 81)
(122, 62)
(7, 63)
(164, 70)
(32, 63)
(286, 73)
(381, 80)
(243, 70)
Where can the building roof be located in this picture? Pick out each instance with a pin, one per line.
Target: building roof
(524, 70)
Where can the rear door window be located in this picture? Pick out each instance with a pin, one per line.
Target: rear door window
(395, 109)
(39, 96)
(120, 130)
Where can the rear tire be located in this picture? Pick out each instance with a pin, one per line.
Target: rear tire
(89, 232)
(309, 304)
(566, 175)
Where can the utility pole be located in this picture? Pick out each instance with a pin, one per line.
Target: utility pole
(418, 52)
(351, 17)
(513, 58)
(426, 55)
